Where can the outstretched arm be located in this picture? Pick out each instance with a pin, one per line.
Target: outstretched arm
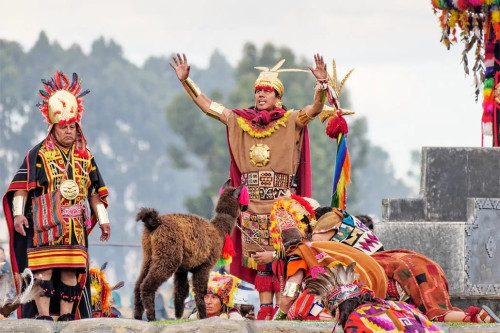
(309, 112)
(213, 109)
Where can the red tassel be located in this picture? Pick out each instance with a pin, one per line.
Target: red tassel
(335, 126)
(228, 250)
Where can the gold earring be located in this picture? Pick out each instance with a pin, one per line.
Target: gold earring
(278, 104)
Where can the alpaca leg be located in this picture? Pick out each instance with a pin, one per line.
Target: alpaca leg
(181, 291)
(200, 283)
(146, 263)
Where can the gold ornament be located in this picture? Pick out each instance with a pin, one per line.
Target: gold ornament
(260, 154)
(62, 106)
(69, 189)
(278, 103)
(269, 77)
(497, 93)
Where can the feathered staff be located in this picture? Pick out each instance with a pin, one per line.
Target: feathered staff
(337, 128)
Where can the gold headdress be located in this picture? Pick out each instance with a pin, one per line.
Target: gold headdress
(62, 101)
(268, 78)
(328, 111)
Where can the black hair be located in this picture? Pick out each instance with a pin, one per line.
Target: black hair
(320, 211)
(367, 220)
(348, 306)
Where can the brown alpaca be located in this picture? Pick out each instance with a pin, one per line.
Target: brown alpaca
(178, 244)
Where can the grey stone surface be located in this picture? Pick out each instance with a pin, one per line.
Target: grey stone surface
(403, 209)
(449, 175)
(202, 326)
(482, 247)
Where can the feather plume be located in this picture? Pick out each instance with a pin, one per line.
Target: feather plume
(118, 285)
(334, 74)
(343, 81)
(278, 65)
(103, 267)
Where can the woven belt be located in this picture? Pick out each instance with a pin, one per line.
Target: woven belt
(72, 211)
(266, 185)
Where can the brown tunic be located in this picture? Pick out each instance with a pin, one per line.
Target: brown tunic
(265, 183)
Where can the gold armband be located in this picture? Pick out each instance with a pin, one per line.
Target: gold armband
(102, 214)
(217, 108)
(18, 205)
(191, 88)
(292, 289)
(304, 118)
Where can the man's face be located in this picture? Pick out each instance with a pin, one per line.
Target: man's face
(213, 305)
(65, 134)
(265, 99)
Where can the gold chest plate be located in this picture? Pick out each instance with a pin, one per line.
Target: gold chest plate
(69, 189)
(260, 154)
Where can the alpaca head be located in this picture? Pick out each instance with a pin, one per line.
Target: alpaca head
(232, 200)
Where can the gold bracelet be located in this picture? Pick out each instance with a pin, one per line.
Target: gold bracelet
(275, 255)
(292, 289)
(192, 89)
(18, 205)
(102, 214)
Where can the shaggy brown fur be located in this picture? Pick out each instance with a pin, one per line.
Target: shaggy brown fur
(178, 244)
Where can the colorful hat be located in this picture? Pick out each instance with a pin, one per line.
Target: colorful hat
(62, 101)
(268, 78)
(288, 213)
(223, 286)
(100, 291)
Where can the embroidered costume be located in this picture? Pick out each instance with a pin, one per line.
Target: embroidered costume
(58, 183)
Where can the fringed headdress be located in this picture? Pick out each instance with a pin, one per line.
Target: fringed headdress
(100, 291)
(224, 286)
(62, 100)
(268, 78)
(288, 212)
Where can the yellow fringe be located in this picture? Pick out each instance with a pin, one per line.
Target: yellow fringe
(245, 126)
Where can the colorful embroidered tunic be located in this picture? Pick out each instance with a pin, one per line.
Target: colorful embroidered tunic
(41, 173)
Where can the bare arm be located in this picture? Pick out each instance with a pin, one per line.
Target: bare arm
(309, 112)
(286, 301)
(206, 105)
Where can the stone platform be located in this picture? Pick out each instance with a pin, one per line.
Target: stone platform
(455, 221)
(211, 325)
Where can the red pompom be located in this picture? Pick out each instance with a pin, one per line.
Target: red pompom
(228, 250)
(336, 125)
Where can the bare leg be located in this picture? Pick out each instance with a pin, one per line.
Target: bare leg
(43, 302)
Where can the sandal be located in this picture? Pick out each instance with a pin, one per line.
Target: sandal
(49, 318)
(488, 316)
(66, 317)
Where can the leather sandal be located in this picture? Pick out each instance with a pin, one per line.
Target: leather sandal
(488, 316)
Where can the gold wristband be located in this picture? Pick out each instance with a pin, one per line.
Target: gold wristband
(102, 214)
(191, 88)
(304, 118)
(292, 289)
(18, 205)
(275, 255)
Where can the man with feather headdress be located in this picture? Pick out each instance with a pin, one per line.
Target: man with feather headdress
(269, 151)
(55, 199)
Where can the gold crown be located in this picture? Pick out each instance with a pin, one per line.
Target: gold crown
(269, 77)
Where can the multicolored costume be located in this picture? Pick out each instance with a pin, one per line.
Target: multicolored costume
(224, 286)
(356, 308)
(57, 235)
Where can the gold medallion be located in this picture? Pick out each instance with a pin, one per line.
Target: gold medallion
(69, 189)
(260, 154)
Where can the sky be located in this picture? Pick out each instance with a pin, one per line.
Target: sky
(412, 90)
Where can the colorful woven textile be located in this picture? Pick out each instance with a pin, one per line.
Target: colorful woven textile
(388, 316)
(422, 278)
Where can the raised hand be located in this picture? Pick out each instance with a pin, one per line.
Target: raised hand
(320, 71)
(181, 66)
